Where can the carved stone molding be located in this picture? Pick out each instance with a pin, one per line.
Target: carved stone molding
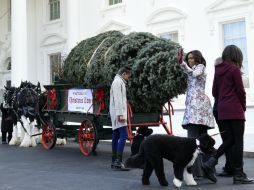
(229, 9)
(167, 18)
(114, 25)
(52, 39)
(166, 14)
(220, 5)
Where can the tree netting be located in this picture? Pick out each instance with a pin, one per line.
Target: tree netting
(156, 76)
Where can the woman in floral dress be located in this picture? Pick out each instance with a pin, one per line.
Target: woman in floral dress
(198, 116)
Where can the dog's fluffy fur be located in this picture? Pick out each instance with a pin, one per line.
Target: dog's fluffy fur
(181, 151)
(141, 134)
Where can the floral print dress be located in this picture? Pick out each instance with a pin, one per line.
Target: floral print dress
(198, 107)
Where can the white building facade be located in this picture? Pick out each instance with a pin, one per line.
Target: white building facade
(36, 34)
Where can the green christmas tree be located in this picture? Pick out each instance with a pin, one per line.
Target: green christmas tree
(156, 76)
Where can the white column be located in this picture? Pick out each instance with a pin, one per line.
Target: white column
(73, 15)
(18, 42)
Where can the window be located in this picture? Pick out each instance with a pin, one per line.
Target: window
(8, 64)
(55, 66)
(235, 34)
(113, 2)
(9, 16)
(173, 36)
(54, 7)
(8, 83)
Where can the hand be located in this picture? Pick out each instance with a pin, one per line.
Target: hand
(180, 56)
(121, 119)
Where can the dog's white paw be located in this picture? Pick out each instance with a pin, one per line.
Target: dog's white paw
(191, 183)
(188, 178)
(177, 183)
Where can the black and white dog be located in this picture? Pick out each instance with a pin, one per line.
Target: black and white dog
(181, 151)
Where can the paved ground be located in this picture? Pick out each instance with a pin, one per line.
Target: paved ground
(64, 168)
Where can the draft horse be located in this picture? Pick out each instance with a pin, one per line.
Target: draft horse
(26, 103)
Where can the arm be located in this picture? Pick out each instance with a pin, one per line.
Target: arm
(118, 97)
(237, 78)
(186, 69)
(199, 69)
(214, 88)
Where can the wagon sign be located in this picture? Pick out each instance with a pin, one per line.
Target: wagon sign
(80, 100)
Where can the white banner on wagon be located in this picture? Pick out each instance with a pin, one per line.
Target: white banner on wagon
(80, 100)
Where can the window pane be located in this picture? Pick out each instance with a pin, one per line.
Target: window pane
(173, 36)
(54, 9)
(55, 66)
(58, 10)
(51, 12)
(9, 16)
(8, 83)
(113, 2)
(235, 34)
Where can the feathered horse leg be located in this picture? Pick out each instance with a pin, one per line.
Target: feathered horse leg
(21, 133)
(14, 138)
(26, 142)
(32, 131)
(37, 131)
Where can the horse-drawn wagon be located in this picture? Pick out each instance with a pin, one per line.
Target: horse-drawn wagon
(75, 111)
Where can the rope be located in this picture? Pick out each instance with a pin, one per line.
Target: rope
(96, 51)
(106, 53)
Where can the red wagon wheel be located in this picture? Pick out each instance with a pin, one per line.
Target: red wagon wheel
(48, 136)
(87, 136)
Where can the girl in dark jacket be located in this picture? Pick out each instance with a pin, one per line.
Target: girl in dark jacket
(228, 169)
(6, 124)
(229, 91)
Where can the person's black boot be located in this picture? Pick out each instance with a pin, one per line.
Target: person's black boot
(241, 178)
(224, 173)
(4, 142)
(209, 168)
(145, 181)
(118, 164)
(113, 161)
